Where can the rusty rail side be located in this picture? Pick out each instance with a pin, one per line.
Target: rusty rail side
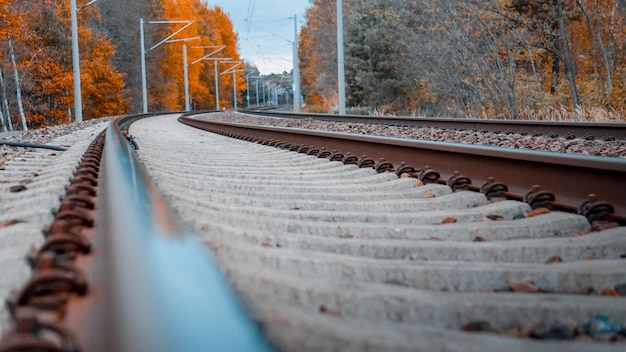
(597, 130)
(593, 186)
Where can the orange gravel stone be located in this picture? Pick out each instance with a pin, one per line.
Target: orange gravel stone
(324, 309)
(554, 259)
(526, 286)
(537, 212)
(609, 292)
(449, 221)
(8, 223)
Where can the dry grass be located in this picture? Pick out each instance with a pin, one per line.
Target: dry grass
(564, 114)
(558, 113)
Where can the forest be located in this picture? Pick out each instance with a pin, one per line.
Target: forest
(470, 58)
(517, 59)
(36, 77)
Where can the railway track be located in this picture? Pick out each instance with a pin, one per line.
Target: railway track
(332, 256)
(567, 182)
(605, 131)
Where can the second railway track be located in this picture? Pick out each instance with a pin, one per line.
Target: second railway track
(334, 257)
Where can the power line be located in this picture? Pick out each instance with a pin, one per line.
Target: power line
(249, 16)
(274, 34)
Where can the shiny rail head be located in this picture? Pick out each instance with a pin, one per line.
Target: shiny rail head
(165, 292)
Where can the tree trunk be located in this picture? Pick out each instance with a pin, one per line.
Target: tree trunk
(4, 125)
(611, 44)
(598, 38)
(2, 120)
(532, 64)
(511, 94)
(556, 68)
(18, 89)
(5, 103)
(567, 56)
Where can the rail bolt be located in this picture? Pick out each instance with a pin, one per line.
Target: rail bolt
(350, 160)
(75, 217)
(428, 175)
(492, 189)
(66, 246)
(595, 210)
(81, 188)
(459, 182)
(336, 156)
(367, 163)
(48, 289)
(32, 333)
(406, 170)
(537, 198)
(324, 154)
(313, 151)
(384, 166)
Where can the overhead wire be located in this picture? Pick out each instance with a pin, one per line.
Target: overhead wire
(268, 57)
(249, 16)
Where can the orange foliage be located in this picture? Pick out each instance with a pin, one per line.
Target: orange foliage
(215, 29)
(8, 20)
(313, 98)
(102, 85)
(42, 44)
(528, 43)
(40, 34)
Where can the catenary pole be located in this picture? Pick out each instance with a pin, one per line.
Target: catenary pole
(144, 90)
(78, 103)
(168, 39)
(341, 75)
(217, 87)
(296, 67)
(186, 77)
(235, 89)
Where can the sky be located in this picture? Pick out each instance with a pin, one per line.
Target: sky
(266, 30)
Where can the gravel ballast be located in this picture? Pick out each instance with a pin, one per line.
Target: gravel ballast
(558, 145)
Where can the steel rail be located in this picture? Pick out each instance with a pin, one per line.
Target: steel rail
(163, 292)
(576, 182)
(133, 278)
(597, 130)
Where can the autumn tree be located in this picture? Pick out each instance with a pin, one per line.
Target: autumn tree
(102, 86)
(224, 35)
(9, 22)
(596, 42)
(318, 53)
(470, 57)
(313, 97)
(40, 54)
(379, 69)
(213, 28)
(120, 22)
